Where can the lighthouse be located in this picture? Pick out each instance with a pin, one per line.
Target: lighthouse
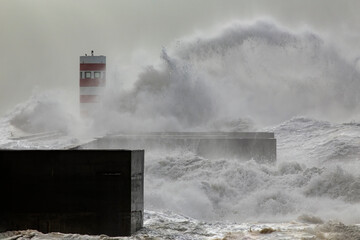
(92, 82)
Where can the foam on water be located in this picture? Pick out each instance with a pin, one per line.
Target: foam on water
(326, 184)
(168, 225)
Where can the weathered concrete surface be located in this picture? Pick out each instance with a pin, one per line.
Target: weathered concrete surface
(260, 146)
(72, 191)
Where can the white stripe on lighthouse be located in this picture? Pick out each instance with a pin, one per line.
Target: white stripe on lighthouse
(91, 90)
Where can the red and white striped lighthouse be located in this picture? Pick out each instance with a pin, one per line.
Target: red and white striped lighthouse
(92, 82)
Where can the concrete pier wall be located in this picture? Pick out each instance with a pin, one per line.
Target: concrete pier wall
(72, 191)
(260, 146)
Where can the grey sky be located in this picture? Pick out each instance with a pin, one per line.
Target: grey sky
(41, 40)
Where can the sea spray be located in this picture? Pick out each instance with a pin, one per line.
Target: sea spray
(259, 71)
(252, 75)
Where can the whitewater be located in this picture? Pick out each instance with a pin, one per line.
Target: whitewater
(242, 76)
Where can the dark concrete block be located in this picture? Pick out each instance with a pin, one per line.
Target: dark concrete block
(72, 191)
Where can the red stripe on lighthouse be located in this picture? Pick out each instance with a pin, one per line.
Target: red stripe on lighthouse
(89, 98)
(92, 82)
(92, 67)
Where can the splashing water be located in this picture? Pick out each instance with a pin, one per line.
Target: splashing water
(256, 71)
(310, 180)
(267, 74)
(251, 74)
(243, 76)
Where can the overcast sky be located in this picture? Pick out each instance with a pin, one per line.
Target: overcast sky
(41, 40)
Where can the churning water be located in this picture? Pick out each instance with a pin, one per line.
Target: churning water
(243, 76)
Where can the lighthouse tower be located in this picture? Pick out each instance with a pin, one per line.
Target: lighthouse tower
(92, 82)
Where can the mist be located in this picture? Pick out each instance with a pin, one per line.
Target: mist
(41, 41)
(240, 76)
(259, 73)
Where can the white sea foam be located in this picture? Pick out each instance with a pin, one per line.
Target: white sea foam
(230, 189)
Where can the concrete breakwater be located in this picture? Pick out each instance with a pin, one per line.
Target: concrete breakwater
(96, 188)
(260, 146)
